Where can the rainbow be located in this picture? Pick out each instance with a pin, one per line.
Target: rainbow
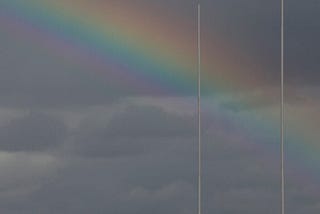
(152, 54)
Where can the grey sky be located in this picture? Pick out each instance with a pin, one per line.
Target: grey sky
(74, 143)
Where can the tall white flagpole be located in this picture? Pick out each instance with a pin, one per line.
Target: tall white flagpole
(199, 111)
(282, 112)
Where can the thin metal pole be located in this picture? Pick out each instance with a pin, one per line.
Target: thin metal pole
(199, 112)
(282, 112)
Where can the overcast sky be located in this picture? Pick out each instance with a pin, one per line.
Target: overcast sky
(73, 143)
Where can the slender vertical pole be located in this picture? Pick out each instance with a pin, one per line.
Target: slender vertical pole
(199, 112)
(282, 112)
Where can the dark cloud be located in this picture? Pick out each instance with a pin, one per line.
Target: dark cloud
(144, 121)
(238, 175)
(265, 98)
(35, 132)
(24, 172)
(132, 131)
